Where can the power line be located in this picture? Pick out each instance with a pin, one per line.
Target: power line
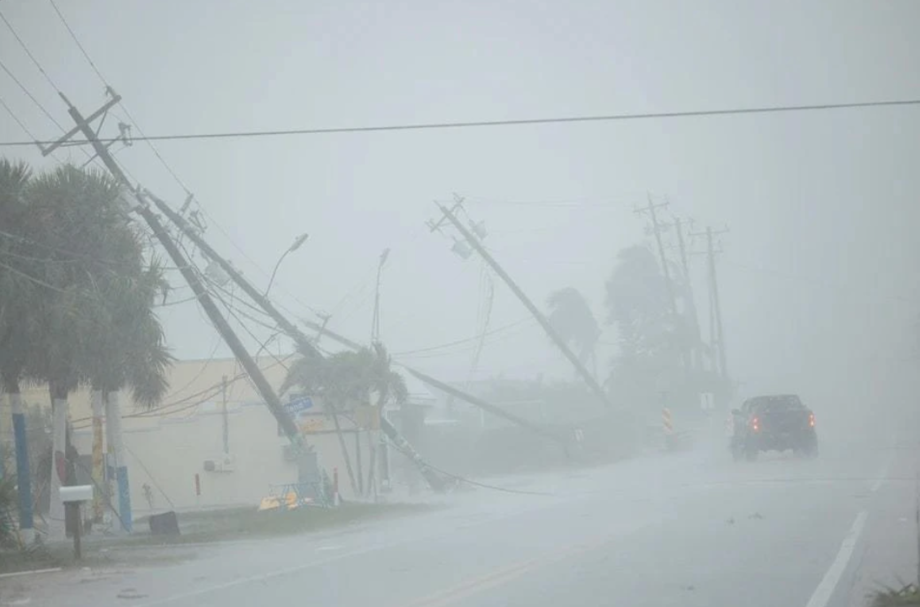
(466, 340)
(86, 256)
(170, 409)
(33, 279)
(34, 100)
(427, 126)
(29, 53)
(108, 87)
(13, 115)
(80, 46)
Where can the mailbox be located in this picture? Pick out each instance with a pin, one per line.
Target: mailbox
(77, 493)
(72, 497)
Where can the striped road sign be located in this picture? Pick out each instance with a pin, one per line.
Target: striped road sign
(667, 421)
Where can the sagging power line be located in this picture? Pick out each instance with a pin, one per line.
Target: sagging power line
(429, 126)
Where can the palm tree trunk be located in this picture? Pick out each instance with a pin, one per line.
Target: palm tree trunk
(120, 463)
(360, 474)
(23, 474)
(59, 407)
(372, 440)
(348, 468)
(98, 460)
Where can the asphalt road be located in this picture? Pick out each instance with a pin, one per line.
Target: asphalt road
(689, 529)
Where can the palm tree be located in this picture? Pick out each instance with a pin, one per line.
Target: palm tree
(128, 351)
(18, 262)
(96, 325)
(387, 384)
(345, 381)
(571, 317)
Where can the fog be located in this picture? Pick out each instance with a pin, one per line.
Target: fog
(817, 271)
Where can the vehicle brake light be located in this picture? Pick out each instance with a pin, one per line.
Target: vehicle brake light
(755, 425)
(811, 420)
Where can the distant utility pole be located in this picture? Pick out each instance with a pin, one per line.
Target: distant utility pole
(650, 208)
(201, 293)
(691, 300)
(474, 242)
(450, 390)
(715, 304)
(289, 328)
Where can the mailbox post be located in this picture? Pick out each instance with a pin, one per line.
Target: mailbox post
(73, 497)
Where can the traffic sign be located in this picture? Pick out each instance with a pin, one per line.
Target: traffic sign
(299, 404)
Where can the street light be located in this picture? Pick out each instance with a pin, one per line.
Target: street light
(297, 242)
(375, 323)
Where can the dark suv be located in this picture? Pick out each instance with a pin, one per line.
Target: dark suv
(773, 423)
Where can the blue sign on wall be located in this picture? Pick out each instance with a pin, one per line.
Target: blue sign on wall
(299, 404)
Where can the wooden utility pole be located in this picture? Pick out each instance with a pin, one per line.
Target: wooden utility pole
(665, 269)
(716, 330)
(691, 300)
(303, 342)
(450, 390)
(547, 327)
(201, 293)
(716, 304)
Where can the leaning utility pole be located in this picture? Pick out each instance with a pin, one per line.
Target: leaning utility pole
(201, 293)
(691, 300)
(450, 390)
(719, 342)
(548, 328)
(656, 230)
(303, 342)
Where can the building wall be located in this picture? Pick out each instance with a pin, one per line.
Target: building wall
(168, 445)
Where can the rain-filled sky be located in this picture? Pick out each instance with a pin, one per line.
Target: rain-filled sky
(819, 273)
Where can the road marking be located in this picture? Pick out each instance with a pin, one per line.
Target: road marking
(498, 577)
(30, 572)
(825, 589)
(263, 577)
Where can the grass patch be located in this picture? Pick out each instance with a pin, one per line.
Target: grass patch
(248, 523)
(62, 555)
(199, 527)
(896, 597)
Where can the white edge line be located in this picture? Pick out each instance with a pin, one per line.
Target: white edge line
(825, 589)
(260, 577)
(29, 572)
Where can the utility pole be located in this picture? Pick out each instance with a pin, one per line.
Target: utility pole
(548, 328)
(201, 293)
(691, 300)
(447, 388)
(665, 269)
(716, 308)
(716, 304)
(303, 342)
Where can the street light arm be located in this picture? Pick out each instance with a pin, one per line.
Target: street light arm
(296, 245)
(275, 271)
